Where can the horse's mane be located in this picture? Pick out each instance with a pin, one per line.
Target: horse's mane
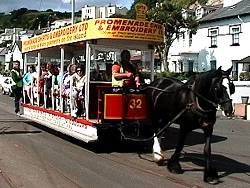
(204, 77)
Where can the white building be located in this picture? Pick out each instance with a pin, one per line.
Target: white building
(93, 12)
(222, 39)
(10, 35)
(60, 23)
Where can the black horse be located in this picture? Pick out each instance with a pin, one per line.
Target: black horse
(192, 105)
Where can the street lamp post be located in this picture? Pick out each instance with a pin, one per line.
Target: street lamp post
(72, 11)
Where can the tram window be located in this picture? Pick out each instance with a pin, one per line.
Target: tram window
(101, 66)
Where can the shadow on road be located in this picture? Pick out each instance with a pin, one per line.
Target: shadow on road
(5, 130)
(225, 165)
(110, 142)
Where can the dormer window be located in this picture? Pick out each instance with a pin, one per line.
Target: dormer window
(213, 33)
(235, 31)
(199, 13)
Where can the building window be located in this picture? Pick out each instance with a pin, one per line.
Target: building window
(246, 67)
(190, 41)
(180, 66)
(235, 32)
(213, 33)
(198, 13)
(175, 66)
(190, 66)
(213, 64)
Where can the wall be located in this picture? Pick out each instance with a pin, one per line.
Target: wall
(224, 53)
(242, 88)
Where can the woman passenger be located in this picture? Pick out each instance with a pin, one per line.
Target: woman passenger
(66, 85)
(78, 82)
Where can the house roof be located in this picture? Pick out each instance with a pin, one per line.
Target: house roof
(3, 51)
(245, 60)
(240, 8)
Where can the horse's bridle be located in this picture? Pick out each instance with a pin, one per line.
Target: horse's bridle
(214, 104)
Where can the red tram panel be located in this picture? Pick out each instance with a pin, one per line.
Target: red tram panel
(125, 106)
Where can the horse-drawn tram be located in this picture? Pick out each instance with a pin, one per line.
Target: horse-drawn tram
(82, 108)
(72, 91)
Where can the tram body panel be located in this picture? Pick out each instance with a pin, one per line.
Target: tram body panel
(78, 128)
(125, 106)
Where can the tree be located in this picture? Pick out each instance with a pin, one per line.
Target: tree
(170, 14)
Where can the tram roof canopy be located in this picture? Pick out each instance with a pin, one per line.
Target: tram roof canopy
(106, 28)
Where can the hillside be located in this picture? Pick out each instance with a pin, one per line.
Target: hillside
(30, 19)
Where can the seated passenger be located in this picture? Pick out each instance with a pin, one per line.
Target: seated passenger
(78, 82)
(66, 86)
(66, 79)
(125, 73)
(51, 71)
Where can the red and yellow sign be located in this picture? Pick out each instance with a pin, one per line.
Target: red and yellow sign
(108, 28)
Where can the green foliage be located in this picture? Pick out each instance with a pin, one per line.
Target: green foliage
(170, 14)
(245, 76)
(30, 19)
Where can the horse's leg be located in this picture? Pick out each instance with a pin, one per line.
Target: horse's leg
(157, 122)
(210, 174)
(157, 152)
(173, 163)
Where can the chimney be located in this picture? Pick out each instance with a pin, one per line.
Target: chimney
(228, 3)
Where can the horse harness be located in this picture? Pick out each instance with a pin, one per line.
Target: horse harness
(193, 106)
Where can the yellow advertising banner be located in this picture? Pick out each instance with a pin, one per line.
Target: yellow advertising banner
(107, 28)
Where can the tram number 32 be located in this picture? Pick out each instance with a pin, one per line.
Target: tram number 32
(135, 103)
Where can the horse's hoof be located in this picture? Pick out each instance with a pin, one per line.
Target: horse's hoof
(161, 162)
(212, 180)
(159, 159)
(175, 168)
(211, 176)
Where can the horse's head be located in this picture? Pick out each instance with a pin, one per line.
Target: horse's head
(222, 92)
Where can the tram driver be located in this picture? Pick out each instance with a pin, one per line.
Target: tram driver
(125, 73)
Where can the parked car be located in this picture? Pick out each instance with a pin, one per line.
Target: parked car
(6, 85)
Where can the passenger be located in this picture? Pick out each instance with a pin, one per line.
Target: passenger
(78, 82)
(125, 73)
(66, 85)
(18, 79)
(52, 70)
(43, 73)
(66, 79)
(27, 79)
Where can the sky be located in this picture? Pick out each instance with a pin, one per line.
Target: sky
(57, 5)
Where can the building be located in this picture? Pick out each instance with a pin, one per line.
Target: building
(222, 39)
(93, 12)
(60, 23)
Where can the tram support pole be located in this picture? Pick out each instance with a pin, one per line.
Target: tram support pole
(152, 65)
(87, 73)
(24, 72)
(72, 12)
(38, 76)
(25, 64)
(61, 74)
